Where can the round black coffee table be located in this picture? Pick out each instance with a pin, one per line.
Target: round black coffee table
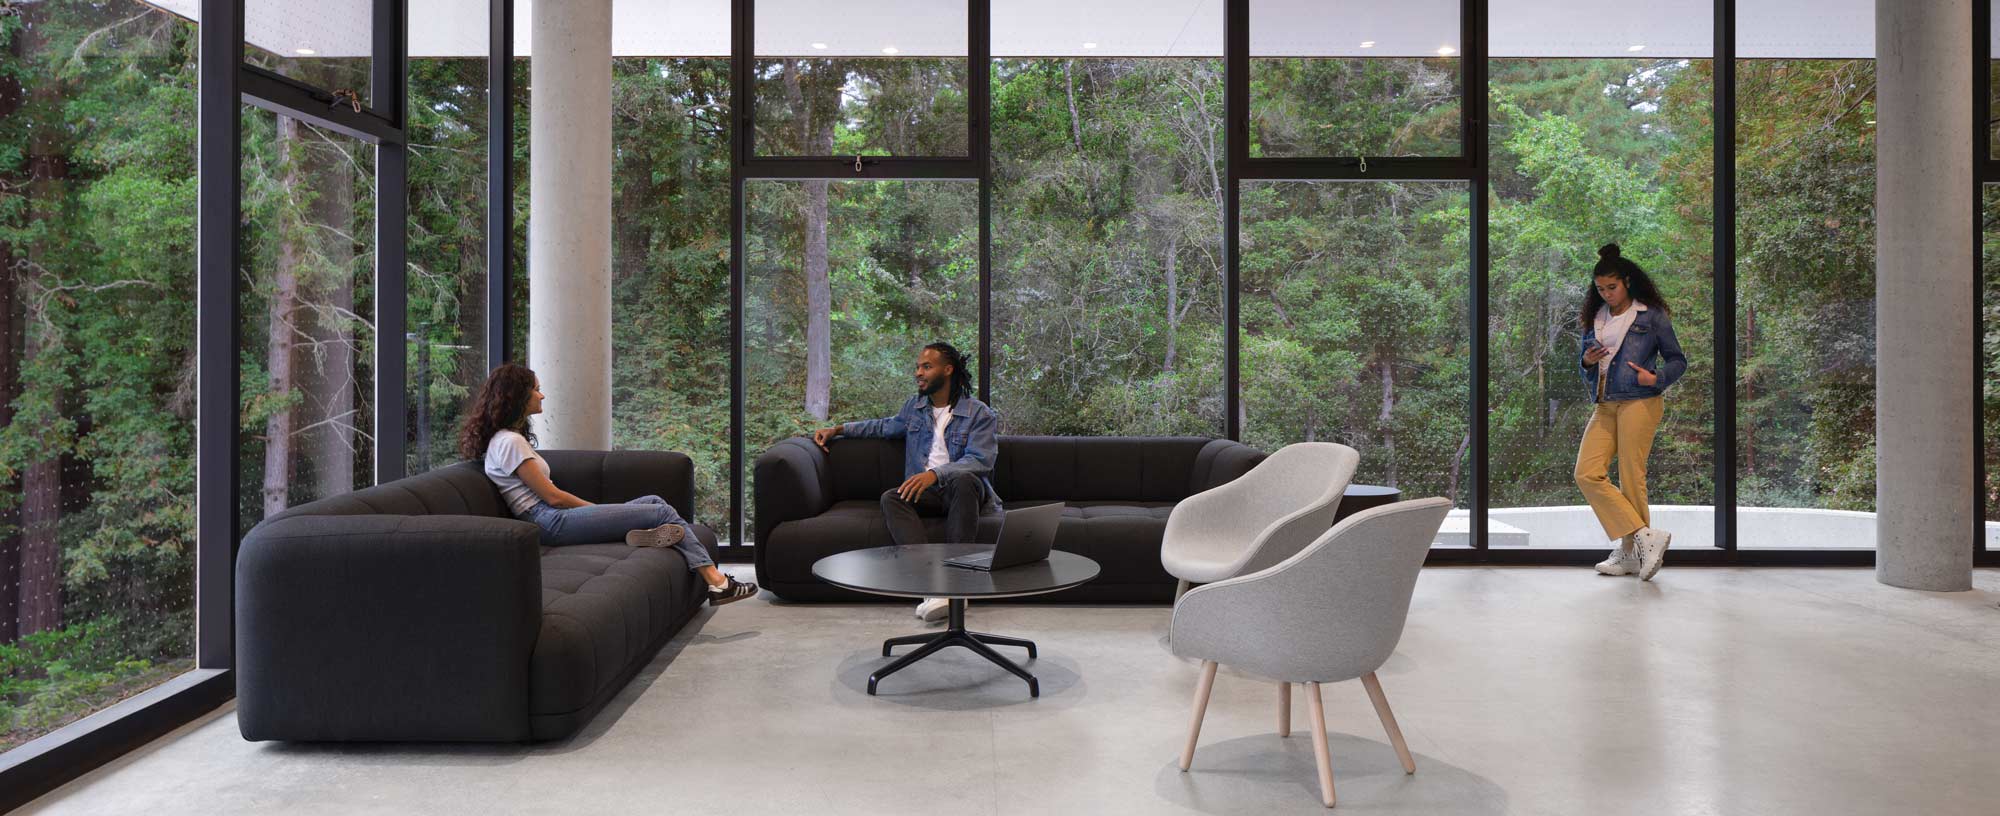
(920, 572)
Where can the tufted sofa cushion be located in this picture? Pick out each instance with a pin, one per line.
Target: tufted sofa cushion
(1119, 492)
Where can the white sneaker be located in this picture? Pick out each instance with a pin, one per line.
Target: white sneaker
(933, 610)
(1652, 550)
(1623, 561)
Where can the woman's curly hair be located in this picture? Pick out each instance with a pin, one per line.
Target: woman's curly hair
(500, 405)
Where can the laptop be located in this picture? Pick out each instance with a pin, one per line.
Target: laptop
(1025, 537)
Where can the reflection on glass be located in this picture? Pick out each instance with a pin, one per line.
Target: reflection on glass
(327, 44)
(897, 88)
(1107, 233)
(1354, 78)
(1354, 327)
(1989, 267)
(1587, 152)
(845, 282)
(97, 358)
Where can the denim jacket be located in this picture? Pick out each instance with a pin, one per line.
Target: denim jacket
(970, 439)
(1650, 337)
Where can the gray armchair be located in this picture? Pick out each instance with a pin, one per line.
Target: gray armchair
(1261, 518)
(1333, 612)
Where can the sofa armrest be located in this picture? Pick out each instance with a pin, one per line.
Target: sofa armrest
(607, 477)
(1222, 461)
(378, 627)
(790, 482)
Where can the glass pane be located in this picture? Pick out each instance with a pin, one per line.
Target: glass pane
(1107, 246)
(1989, 269)
(1805, 303)
(97, 347)
(447, 232)
(308, 345)
(1589, 151)
(880, 78)
(845, 283)
(1354, 78)
(670, 255)
(1354, 328)
(328, 44)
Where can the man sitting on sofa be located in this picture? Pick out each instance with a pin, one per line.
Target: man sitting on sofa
(949, 446)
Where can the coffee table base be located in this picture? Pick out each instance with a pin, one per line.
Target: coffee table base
(955, 634)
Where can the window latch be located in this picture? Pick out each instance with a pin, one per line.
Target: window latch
(350, 97)
(1364, 164)
(857, 162)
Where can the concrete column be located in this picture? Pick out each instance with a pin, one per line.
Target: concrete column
(569, 221)
(1926, 416)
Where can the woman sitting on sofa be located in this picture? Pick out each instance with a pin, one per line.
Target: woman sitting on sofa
(496, 428)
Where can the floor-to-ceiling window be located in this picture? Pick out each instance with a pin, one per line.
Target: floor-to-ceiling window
(97, 321)
(1108, 208)
(446, 321)
(1352, 292)
(670, 130)
(849, 271)
(1600, 133)
(1805, 274)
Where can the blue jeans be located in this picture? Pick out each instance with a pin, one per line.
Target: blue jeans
(601, 523)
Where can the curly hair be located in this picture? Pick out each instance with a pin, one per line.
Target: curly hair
(1612, 263)
(501, 404)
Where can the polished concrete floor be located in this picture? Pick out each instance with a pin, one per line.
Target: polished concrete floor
(1526, 690)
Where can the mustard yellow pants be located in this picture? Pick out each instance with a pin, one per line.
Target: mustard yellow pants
(1622, 429)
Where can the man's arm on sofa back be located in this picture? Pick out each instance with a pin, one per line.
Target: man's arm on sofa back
(375, 627)
(606, 477)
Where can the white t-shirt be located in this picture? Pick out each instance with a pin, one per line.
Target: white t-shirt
(504, 455)
(1611, 332)
(940, 417)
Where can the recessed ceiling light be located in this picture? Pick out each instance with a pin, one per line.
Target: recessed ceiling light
(1368, 44)
(890, 49)
(304, 52)
(1636, 48)
(1446, 50)
(1090, 45)
(819, 46)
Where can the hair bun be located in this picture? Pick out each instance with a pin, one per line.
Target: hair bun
(1608, 252)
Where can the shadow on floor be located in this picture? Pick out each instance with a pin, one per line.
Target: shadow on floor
(958, 680)
(1267, 774)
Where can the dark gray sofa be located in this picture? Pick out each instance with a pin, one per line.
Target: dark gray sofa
(811, 504)
(420, 610)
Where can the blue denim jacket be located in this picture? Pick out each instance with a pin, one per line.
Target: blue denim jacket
(970, 439)
(1650, 337)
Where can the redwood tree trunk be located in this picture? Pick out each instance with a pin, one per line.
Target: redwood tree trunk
(41, 482)
(280, 339)
(329, 382)
(817, 111)
(10, 382)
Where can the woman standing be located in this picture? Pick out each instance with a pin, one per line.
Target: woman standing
(496, 429)
(1630, 357)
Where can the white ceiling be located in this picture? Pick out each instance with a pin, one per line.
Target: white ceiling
(1152, 28)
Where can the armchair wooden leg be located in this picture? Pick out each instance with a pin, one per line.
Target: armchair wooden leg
(1181, 589)
(1201, 691)
(1320, 751)
(1374, 687)
(1284, 709)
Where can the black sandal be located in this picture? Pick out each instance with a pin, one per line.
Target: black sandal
(731, 593)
